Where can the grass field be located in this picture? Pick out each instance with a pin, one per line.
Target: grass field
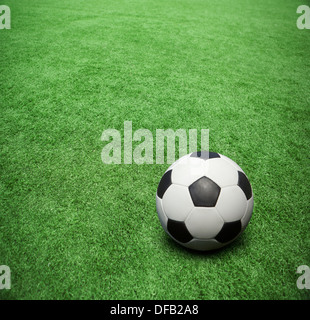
(72, 227)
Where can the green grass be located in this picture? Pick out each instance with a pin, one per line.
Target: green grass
(72, 227)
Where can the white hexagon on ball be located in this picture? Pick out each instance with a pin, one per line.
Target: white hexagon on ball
(204, 223)
(221, 172)
(177, 202)
(187, 171)
(248, 213)
(203, 245)
(231, 203)
(161, 214)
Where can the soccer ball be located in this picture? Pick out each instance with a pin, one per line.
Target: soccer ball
(204, 200)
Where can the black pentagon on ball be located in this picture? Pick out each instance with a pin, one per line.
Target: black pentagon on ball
(205, 155)
(229, 231)
(164, 184)
(179, 231)
(204, 192)
(244, 184)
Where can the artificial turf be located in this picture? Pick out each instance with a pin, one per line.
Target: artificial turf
(72, 227)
